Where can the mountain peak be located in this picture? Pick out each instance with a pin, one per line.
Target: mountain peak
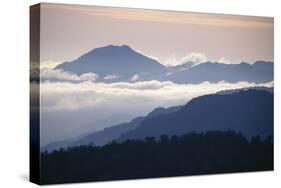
(111, 48)
(119, 60)
(117, 46)
(125, 46)
(244, 63)
(156, 111)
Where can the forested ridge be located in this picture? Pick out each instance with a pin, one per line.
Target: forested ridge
(189, 154)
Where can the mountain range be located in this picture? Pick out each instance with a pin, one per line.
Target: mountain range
(122, 63)
(106, 135)
(249, 112)
(259, 72)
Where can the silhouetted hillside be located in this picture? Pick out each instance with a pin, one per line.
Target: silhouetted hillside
(231, 91)
(249, 112)
(56, 145)
(190, 154)
(102, 137)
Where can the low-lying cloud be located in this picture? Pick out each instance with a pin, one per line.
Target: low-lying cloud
(66, 107)
(49, 64)
(61, 75)
(72, 96)
(110, 77)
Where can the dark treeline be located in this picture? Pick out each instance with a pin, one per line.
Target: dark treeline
(189, 154)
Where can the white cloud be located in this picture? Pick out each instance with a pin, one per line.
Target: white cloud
(110, 77)
(89, 76)
(72, 96)
(49, 64)
(195, 57)
(223, 60)
(58, 74)
(61, 75)
(135, 78)
(227, 61)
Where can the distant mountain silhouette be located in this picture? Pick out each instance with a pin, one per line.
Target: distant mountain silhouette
(259, 72)
(249, 112)
(231, 91)
(119, 63)
(56, 145)
(106, 135)
(264, 65)
(161, 110)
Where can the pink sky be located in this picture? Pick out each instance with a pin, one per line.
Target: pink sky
(68, 31)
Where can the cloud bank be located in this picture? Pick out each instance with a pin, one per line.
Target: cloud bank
(61, 75)
(73, 96)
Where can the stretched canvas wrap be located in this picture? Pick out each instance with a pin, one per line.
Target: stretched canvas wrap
(122, 93)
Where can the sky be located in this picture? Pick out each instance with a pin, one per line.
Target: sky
(68, 31)
(76, 104)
